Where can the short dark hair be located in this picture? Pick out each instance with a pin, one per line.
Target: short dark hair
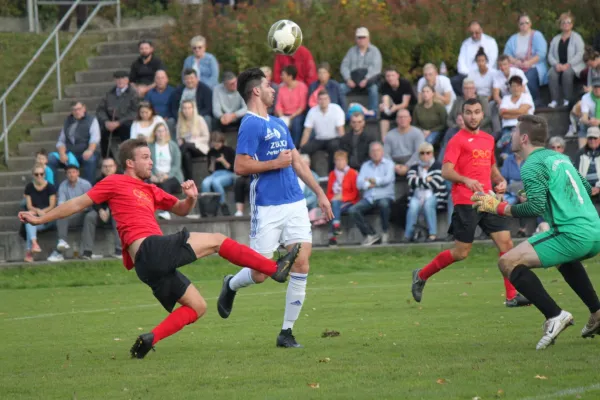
(391, 68)
(324, 65)
(109, 158)
(71, 166)
(323, 92)
(145, 41)
(75, 102)
(228, 75)
(189, 71)
(41, 152)
(503, 57)
(471, 102)
(535, 127)
(127, 150)
(291, 70)
(248, 80)
(515, 79)
(590, 54)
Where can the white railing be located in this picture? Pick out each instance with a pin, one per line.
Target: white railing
(6, 124)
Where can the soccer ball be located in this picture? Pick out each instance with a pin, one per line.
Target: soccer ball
(285, 37)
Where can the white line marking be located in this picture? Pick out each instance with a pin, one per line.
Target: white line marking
(566, 392)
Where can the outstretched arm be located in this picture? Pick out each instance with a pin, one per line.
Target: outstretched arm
(64, 210)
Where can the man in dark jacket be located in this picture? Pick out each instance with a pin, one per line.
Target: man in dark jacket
(196, 91)
(77, 142)
(116, 111)
(356, 141)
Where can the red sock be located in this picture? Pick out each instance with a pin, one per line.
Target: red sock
(243, 256)
(175, 322)
(511, 292)
(440, 262)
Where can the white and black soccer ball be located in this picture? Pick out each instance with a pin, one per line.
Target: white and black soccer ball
(285, 37)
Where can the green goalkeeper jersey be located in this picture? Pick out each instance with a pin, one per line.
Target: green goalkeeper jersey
(556, 191)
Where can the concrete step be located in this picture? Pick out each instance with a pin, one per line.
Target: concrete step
(97, 75)
(15, 179)
(105, 62)
(65, 104)
(88, 89)
(10, 224)
(117, 48)
(20, 163)
(118, 35)
(12, 193)
(46, 133)
(30, 148)
(10, 208)
(58, 118)
(557, 118)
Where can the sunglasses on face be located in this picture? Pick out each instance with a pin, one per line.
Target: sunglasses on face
(425, 152)
(565, 22)
(38, 174)
(197, 47)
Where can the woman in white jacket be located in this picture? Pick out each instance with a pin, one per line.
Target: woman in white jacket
(145, 122)
(193, 136)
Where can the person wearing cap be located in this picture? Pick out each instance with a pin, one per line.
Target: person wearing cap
(116, 112)
(590, 111)
(227, 104)
(587, 160)
(304, 62)
(361, 67)
(144, 68)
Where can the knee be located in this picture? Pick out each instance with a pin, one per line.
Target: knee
(258, 277)
(218, 239)
(353, 211)
(506, 265)
(200, 308)
(301, 265)
(460, 254)
(90, 218)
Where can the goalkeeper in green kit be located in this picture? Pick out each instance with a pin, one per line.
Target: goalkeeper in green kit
(555, 190)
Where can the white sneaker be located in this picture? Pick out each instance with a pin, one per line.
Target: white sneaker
(193, 216)
(565, 103)
(118, 256)
(553, 104)
(592, 328)
(62, 245)
(164, 215)
(56, 257)
(385, 238)
(370, 240)
(238, 214)
(553, 327)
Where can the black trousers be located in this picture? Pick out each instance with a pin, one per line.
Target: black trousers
(330, 146)
(171, 186)
(80, 11)
(123, 132)
(188, 153)
(242, 188)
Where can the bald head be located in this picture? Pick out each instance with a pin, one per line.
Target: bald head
(161, 79)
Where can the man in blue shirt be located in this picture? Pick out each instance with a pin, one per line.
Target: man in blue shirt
(266, 151)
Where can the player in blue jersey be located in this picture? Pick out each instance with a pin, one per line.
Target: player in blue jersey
(266, 152)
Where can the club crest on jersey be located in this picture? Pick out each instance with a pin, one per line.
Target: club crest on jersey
(272, 133)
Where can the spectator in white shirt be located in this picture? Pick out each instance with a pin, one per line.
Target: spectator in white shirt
(328, 120)
(501, 88)
(483, 76)
(468, 51)
(146, 121)
(443, 88)
(512, 107)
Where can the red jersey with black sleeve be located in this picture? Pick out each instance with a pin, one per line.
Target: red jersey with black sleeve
(132, 203)
(473, 157)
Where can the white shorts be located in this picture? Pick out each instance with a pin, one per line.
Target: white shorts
(284, 224)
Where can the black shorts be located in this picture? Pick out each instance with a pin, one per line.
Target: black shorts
(391, 117)
(156, 264)
(465, 220)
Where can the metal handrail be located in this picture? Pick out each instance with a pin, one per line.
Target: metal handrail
(6, 126)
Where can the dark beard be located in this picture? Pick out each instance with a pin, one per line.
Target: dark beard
(472, 128)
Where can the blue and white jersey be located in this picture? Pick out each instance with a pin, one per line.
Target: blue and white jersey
(263, 139)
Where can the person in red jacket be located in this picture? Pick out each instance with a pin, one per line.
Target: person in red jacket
(304, 62)
(341, 191)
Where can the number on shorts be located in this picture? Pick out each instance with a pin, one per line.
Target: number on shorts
(575, 187)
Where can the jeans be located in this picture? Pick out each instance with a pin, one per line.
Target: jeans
(88, 234)
(457, 83)
(89, 166)
(358, 210)
(217, 182)
(565, 79)
(32, 231)
(338, 207)
(373, 91)
(296, 128)
(433, 137)
(429, 208)
(504, 143)
(533, 84)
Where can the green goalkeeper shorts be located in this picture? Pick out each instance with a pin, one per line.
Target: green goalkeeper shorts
(556, 248)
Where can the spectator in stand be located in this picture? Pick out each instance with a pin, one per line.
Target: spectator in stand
(430, 116)
(193, 137)
(205, 64)
(70, 188)
(325, 82)
(304, 62)
(501, 88)
(511, 171)
(309, 195)
(145, 121)
(82, 15)
(327, 120)
(467, 58)
(41, 157)
(590, 112)
(587, 160)
(166, 160)
(376, 180)
(459, 123)
(269, 76)
(356, 142)
(100, 215)
(291, 102)
(228, 105)
(427, 194)
(241, 191)
(40, 197)
(470, 92)
(196, 91)
(401, 144)
(160, 98)
(483, 75)
(143, 70)
(342, 192)
(220, 166)
(527, 51)
(361, 68)
(442, 88)
(396, 94)
(77, 142)
(591, 58)
(557, 143)
(116, 112)
(512, 107)
(566, 61)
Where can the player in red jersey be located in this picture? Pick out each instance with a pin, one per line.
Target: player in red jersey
(157, 257)
(470, 164)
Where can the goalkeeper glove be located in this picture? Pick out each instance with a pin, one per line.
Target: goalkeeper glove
(488, 203)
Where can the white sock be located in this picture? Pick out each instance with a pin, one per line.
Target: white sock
(294, 299)
(241, 279)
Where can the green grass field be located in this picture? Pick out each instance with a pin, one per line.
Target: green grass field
(66, 332)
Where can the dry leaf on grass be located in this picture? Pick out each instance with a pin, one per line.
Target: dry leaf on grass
(117, 339)
(313, 385)
(441, 381)
(542, 377)
(464, 294)
(476, 398)
(468, 283)
(329, 333)
(417, 324)
(325, 360)
(500, 393)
